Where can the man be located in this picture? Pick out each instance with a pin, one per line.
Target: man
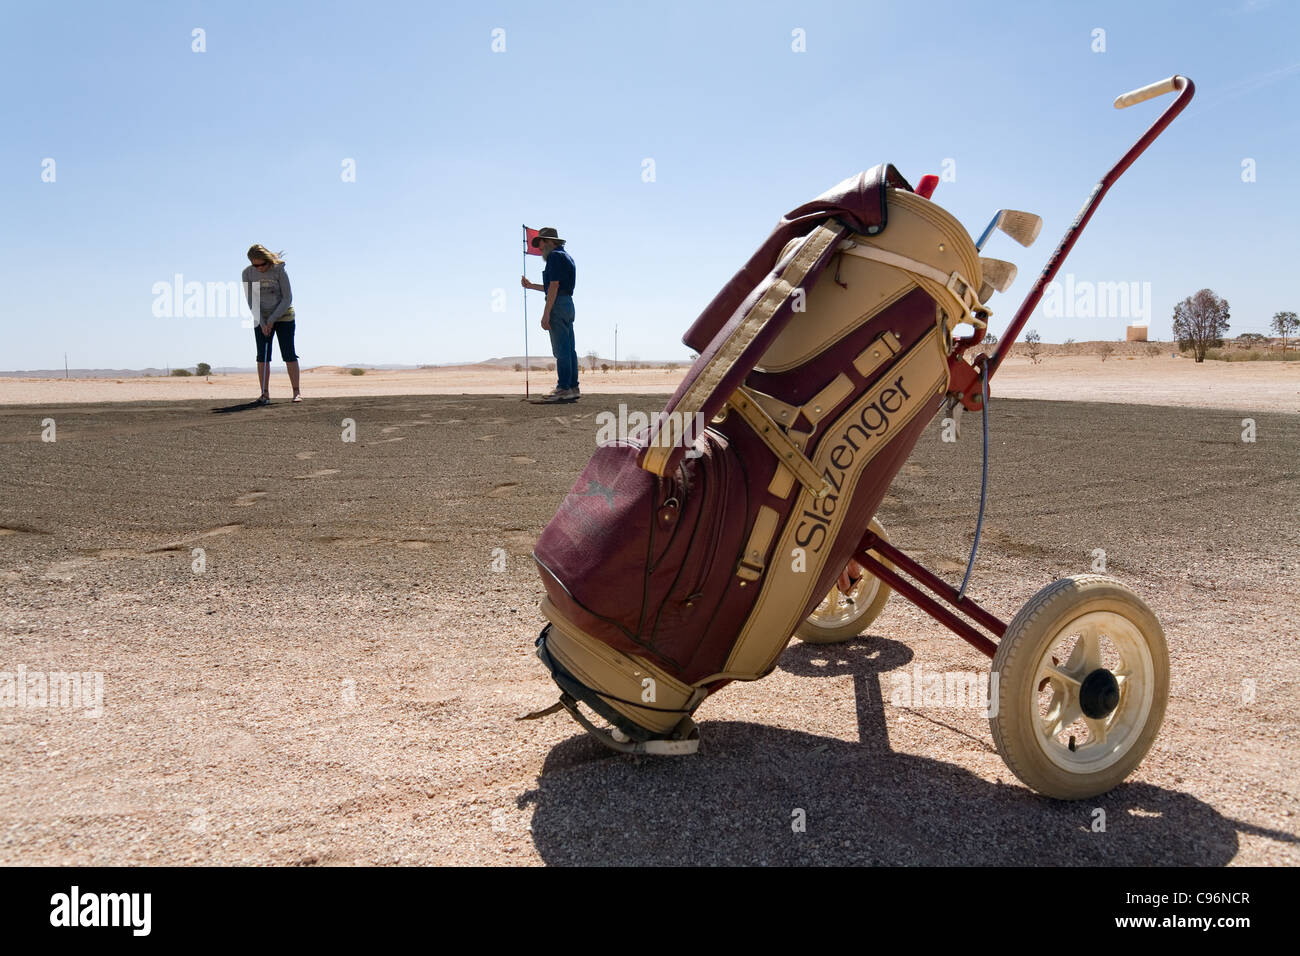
(558, 279)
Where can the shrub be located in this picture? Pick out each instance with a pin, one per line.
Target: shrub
(356, 371)
(519, 367)
(181, 371)
(1033, 346)
(1106, 350)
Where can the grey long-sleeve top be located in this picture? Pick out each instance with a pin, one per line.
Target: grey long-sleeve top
(274, 295)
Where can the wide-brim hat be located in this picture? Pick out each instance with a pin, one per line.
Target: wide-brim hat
(546, 232)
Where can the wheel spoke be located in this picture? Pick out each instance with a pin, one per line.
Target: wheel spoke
(1090, 641)
(1062, 712)
(1096, 731)
(1074, 664)
(1056, 673)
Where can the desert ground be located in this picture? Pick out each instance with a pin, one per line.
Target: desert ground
(336, 677)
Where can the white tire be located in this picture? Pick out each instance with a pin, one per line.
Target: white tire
(1082, 683)
(839, 616)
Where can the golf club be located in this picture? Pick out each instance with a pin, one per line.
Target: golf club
(265, 378)
(1020, 226)
(998, 273)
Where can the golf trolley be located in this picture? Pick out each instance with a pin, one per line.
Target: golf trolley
(1083, 669)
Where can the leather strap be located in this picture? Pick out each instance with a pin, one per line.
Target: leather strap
(963, 295)
(731, 358)
(787, 453)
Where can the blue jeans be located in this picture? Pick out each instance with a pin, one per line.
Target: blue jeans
(563, 346)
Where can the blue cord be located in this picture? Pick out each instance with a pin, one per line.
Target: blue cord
(984, 478)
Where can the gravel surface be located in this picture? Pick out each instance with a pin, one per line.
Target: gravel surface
(340, 681)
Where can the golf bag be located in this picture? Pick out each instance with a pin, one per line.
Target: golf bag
(686, 557)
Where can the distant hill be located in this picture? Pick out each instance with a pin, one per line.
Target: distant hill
(510, 361)
(142, 372)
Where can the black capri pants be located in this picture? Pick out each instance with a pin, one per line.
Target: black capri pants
(282, 331)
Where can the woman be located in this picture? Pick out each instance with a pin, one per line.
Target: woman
(273, 312)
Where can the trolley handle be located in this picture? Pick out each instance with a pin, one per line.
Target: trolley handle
(1149, 92)
(1186, 89)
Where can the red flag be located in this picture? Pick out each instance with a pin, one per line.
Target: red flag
(528, 242)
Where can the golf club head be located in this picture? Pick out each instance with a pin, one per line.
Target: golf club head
(1023, 227)
(997, 273)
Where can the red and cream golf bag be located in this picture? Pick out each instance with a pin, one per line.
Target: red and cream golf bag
(685, 558)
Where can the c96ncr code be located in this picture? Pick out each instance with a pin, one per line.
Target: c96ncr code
(1180, 899)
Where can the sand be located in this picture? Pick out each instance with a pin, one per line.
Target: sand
(1248, 386)
(340, 680)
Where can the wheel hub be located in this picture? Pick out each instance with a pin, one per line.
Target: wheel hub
(1099, 694)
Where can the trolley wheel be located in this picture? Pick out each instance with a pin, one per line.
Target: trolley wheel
(840, 616)
(1082, 682)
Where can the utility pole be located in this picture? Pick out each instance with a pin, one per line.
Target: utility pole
(65, 365)
(616, 347)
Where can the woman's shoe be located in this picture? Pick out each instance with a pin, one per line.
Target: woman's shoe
(297, 398)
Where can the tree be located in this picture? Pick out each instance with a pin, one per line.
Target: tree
(1034, 346)
(203, 368)
(1284, 324)
(519, 367)
(604, 367)
(592, 360)
(1200, 322)
(1106, 350)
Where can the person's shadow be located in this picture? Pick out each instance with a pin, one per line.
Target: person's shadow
(756, 794)
(241, 407)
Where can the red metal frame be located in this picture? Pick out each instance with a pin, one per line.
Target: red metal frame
(924, 601)
(965, 381)
(965, 377)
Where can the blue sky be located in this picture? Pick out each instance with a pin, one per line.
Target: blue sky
(169, 161)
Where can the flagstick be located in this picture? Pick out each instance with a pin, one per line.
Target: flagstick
(527, 361)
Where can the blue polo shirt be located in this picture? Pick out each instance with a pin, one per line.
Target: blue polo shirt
(560, 268)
